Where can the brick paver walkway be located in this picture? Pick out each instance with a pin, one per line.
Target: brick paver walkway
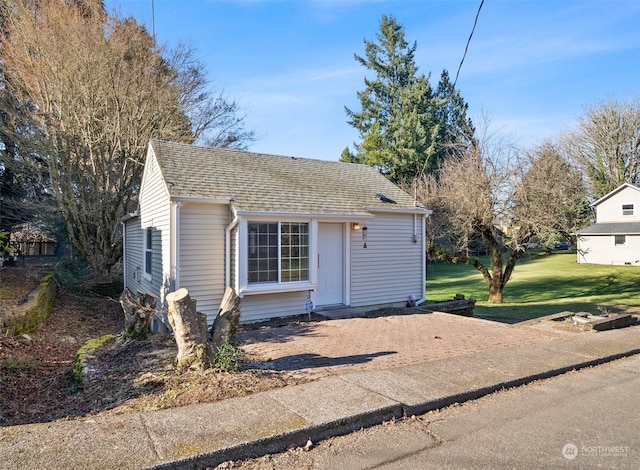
(317, 349)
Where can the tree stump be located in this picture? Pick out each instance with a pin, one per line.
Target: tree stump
(190, 331)
(137, 317)
(227, 321)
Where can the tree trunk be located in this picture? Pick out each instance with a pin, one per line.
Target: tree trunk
(137, 317)
(226, 323)
(190, 331)
(495, 293)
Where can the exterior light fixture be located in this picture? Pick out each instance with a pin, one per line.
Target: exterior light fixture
(355, 226)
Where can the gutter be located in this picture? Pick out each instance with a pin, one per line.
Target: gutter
(425, 212)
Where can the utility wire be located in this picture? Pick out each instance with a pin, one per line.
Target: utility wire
(468, 41)
(153, 19)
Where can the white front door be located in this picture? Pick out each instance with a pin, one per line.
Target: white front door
(330, 264)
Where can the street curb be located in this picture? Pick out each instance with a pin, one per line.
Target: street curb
(281, 442)
(483, 391)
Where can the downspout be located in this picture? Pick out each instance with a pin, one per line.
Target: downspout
(124, 254)
(177, 247)
(227, 251)
(424, 258)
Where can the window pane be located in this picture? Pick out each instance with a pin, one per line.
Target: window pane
(148, 250)
(263, 252)
(147, 262)
(283, 246)
(294, 251)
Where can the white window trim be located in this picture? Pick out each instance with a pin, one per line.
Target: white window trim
(146, 248)
(242, 264)
(633, 209)
(619, 244)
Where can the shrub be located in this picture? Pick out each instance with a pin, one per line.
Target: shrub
(227, 357)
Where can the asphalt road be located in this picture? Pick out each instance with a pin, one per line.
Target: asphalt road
(586, 419)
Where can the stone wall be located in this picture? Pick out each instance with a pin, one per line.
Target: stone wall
(31, 315)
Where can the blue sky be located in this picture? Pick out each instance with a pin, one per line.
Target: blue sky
(532, 66)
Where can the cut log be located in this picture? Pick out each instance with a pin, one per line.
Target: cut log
(227, 321)
(137, 317)
(190, 331)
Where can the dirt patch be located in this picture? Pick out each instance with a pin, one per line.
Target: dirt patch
(16, 283)
(35, 370)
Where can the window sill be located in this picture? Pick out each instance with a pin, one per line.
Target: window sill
(256, 289)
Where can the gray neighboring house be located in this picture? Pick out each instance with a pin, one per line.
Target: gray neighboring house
(279, 230)
(615, 236)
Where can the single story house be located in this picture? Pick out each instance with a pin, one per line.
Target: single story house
(282, 231)
(614, 238)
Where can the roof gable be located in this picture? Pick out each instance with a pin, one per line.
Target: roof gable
(151, 168)
(614, 192)
(256, 182)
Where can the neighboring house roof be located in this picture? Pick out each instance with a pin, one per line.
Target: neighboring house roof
(615, 191)
(613, 228)
(255, 182)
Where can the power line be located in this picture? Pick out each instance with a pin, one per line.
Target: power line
(468, 41)
(153, 19)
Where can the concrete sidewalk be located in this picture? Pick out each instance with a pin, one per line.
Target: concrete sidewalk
(205, 435)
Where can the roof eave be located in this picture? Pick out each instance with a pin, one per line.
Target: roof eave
(416, 210)
(129, 216)
(207, 200)
(310, 215)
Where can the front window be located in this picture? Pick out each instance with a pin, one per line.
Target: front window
(627, 209)
(148, 252)
(278, 252)
(620, 240)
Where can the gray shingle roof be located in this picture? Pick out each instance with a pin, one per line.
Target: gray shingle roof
(268, 183)
(612, 228)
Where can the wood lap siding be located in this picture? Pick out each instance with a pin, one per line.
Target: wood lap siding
(202, 261)
(155, 213)
(390, 268)
(133, 255)
(265, 306)
(600, 250)
(610, 210)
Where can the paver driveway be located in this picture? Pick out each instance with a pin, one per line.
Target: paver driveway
(317, 349)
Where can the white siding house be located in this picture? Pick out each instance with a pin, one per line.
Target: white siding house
(279, 230)
(615, 236)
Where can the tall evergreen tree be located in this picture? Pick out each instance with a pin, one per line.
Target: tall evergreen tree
(407, 129)
(396, 122)
(454, 127)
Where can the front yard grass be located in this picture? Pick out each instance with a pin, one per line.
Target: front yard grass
(541, 285)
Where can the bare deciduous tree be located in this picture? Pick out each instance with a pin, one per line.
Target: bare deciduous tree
(606, 145)
(475, 187)
(550, 195)
(489, 194)
(100, 88)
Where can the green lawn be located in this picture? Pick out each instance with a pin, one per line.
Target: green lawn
(541, 285)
